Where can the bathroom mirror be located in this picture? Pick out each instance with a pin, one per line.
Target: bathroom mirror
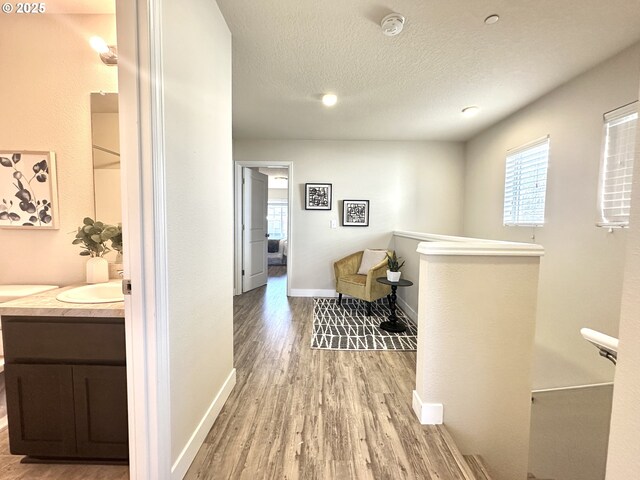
(106, 157)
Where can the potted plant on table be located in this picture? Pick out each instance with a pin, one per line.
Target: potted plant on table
(92, 237)
(394, 266)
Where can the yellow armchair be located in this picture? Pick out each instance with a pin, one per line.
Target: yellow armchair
(364, 287)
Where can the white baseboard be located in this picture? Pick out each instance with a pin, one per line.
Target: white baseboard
(428, 413)
(411, 313)
(310, 292)
(182, 464)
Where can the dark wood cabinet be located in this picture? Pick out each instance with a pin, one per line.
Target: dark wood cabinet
(66, 387)
(40, 409)
(101, 429)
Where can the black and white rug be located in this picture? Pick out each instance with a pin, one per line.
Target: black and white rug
(347, 327)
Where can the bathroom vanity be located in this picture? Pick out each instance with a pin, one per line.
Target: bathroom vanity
(65, 379)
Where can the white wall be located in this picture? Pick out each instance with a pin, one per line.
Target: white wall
(278, 194)
(196, 59)
(570, 432)
(410, 185)
(581, 272)
(624, 448)
(406, 249)
(465, 362)
(49, 71)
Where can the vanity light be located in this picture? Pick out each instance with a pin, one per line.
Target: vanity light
(108, 53)
(470, 111)
(98, 44)
(329, 100)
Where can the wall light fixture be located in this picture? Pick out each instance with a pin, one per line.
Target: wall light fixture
(108, 53)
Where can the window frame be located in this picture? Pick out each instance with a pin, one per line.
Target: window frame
(513, 220)
(630, 109)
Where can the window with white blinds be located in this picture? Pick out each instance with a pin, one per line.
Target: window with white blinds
(525, 184)
(616, 167)
(277, 219)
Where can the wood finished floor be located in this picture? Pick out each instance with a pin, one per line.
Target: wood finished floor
(12, 469)
(297, 413)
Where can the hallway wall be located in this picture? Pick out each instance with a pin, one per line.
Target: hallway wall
(199, 179)
(624, 448)
(410, 185)
(582, 270)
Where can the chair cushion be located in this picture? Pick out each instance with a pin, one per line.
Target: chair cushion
(371, 258)
(354, 279)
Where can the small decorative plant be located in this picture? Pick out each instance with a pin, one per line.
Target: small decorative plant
(93, 236)
(116, 240)
(393, 262)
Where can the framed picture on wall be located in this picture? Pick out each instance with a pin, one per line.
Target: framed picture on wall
(28, 190)
(355, 213)
(317, 196)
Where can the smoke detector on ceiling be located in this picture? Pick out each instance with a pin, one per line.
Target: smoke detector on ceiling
(392, 24)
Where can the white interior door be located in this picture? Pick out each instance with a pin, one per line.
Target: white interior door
(254, 232)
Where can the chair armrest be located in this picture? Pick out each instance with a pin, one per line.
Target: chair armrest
(379, 270)
(347, 265)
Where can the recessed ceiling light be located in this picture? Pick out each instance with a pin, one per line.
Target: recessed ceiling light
(329, 99)
(470, 111)
(491, 19)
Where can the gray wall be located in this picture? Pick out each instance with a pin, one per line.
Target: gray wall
(199, 171)
(581, 272)
(410, 185)
(624, 448)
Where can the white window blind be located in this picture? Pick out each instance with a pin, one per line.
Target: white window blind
(616, 167)
(525, 183)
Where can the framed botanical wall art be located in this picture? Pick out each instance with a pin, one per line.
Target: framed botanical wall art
(28, 190)
(355, 213)
(317, 196)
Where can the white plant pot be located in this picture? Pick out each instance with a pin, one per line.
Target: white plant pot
(97, 270)
(393, 276)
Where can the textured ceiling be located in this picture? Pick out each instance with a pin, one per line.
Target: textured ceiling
(286, 53)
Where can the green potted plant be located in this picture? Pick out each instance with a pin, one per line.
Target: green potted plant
(393, 267)
(92, 236)
(116, 242)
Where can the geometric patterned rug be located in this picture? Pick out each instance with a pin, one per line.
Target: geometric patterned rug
(347, 327)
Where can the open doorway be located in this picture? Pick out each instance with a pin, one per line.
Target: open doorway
(277, 223)
(263, 240)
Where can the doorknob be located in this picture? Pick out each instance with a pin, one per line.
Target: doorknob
(266, 235)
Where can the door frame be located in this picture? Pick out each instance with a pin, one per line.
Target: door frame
(237, 219)
(140, 89)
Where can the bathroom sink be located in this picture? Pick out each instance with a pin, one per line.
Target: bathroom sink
(97, 293)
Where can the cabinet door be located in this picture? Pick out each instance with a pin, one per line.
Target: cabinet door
(101, 411)
(40, 410)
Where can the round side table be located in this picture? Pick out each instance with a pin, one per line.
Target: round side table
(393, 324)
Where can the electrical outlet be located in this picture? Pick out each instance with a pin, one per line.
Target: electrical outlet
(334, 223)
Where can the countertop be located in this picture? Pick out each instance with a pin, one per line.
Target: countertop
(45, 304)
